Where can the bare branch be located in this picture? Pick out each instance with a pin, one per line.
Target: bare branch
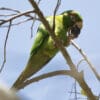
(33, 22)
(9, 9)
(55, 11)
(87, 60)
(14, 10)
(5, 44)
(16, 16)
(21, 22)
(44, 76)
(80, 63)
(7, 15)
(32, 27)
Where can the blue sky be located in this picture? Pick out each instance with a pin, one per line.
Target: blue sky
(19, 44)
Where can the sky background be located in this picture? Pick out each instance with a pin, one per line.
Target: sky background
(19, 44)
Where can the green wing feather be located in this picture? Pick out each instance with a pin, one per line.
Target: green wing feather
(39, 40)
(37, 57)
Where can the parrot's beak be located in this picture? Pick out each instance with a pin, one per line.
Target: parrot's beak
(75, 30)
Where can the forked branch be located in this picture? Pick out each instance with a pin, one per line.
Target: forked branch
(86, 59)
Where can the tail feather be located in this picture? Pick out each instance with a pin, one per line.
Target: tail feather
(27, 73)
(34, 65)
(19, 81)
(29, 70)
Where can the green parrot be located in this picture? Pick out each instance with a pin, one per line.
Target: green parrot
(67, 26)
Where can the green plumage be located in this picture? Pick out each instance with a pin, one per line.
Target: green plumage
(44, 48)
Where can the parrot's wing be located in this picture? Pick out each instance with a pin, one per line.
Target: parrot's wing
(42, 34)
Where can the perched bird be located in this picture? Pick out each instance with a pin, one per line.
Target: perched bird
(67, 26)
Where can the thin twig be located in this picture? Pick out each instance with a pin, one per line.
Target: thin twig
(55, 11)
(75, 88)
(16, 16)
(79, 98)
(21, 22)
(33, 22)
(5, 45)
(7, 15)
(14, 10)
(18, 23)
(9, 9)
(86, 58)
(70, 93)
(80, 63)
(74, 92)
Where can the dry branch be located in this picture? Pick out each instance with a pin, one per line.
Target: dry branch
(5, 44)
(14, 17)
(55, 11)
(9, 9)
(44, 76)
(86, 59)
(21, 22)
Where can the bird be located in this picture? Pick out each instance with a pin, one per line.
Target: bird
(68, 26)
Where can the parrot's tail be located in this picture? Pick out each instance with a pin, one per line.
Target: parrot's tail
(19, 81)
(28, 72)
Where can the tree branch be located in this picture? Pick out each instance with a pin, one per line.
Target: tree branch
(14, 17)
(9, 9)
(44, 76)
(34, 20)
(55, 11)
(86, 59)
(21, 22)
(5, 44)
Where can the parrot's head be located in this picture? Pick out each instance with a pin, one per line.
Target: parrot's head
(73, 22)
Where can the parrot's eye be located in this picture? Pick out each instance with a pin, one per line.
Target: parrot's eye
(72, 18)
